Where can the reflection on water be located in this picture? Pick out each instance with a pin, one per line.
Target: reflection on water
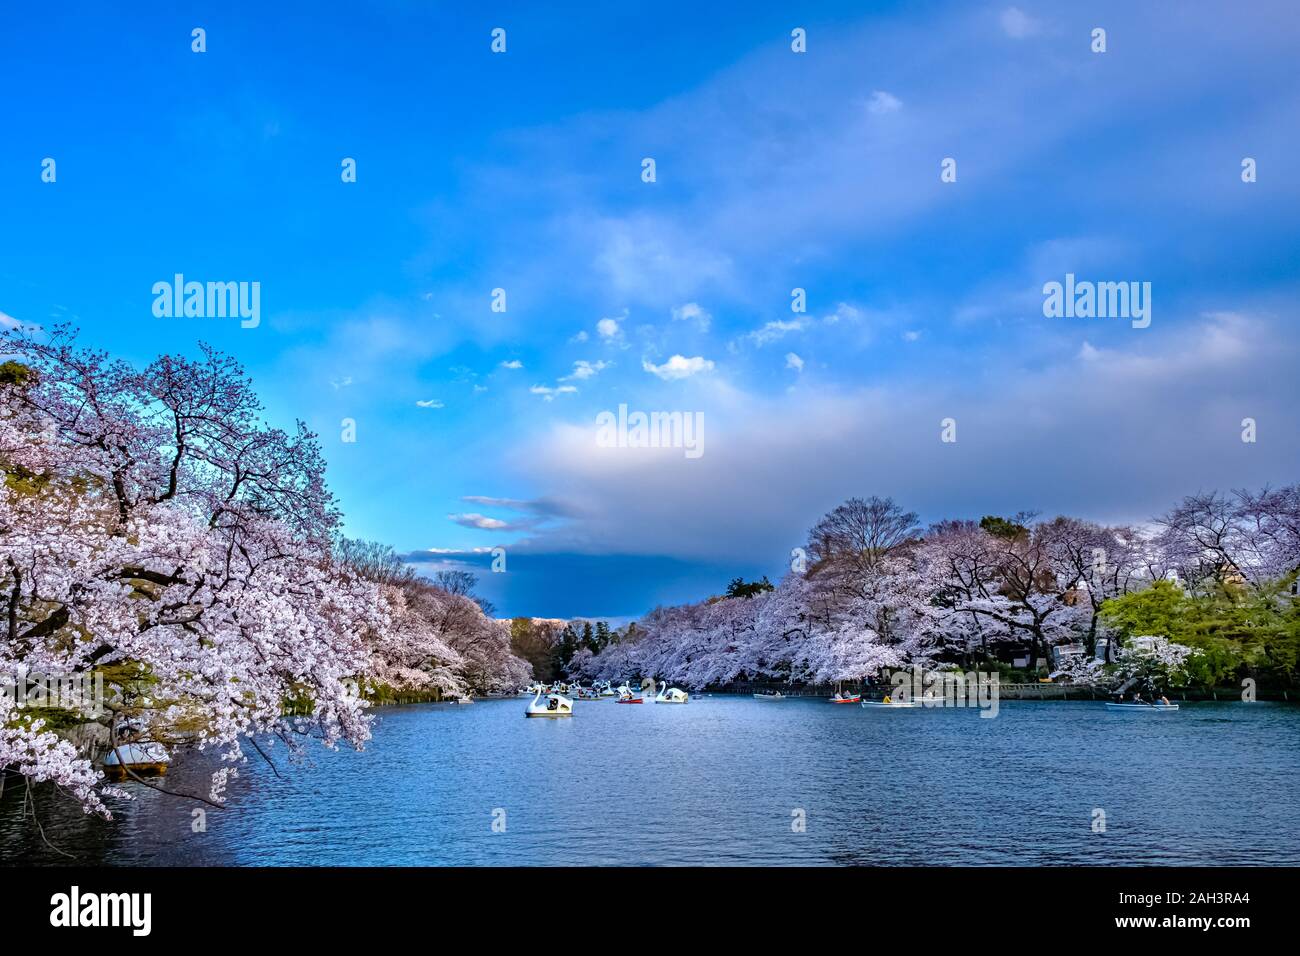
(718, 782)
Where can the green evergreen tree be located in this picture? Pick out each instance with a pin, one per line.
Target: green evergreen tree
(567, 646)
(747, 589)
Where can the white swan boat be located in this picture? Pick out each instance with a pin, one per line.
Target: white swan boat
(671, 695)
(553, 706)
(1160, 707)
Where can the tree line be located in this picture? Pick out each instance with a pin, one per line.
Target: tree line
(552, 647)
(1211, 584)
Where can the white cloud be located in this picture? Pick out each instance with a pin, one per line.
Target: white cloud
(655, 258)
(882, 102)
(540, 506)
(679, 366)
(1017, 24)
(580, 337)
(844, 311)
(608, 328)
(583, 369)
(336, 383)
(692, 311)
(793, 361)
(474, 520)
(776, 329)
(549, 393)
(1219, 345)
(513, 363)
(430, 403)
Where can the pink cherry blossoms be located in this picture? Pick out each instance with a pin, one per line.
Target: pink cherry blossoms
(152, 524)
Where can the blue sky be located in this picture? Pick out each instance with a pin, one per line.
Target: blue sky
(775, 170)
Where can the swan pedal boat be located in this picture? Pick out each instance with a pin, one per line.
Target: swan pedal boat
(892, 703)
(1110, 706)
(555, 706)
(671, 695)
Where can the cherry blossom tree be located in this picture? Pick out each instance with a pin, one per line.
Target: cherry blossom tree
(435, 637)
(153, 525)
(150, 519)
(1250, 537)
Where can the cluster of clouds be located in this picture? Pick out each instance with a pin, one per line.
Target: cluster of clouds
(831, 181)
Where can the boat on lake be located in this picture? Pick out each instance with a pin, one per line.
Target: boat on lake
(776, 695)
(1136, 707)
(885, 704)
(553, 706)
(671, 695)
(139, 758)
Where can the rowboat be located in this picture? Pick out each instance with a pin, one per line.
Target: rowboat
(1161, 707)
(139, 759)
(843, 698)
(629, 700)
(777, 696)
(892, 703)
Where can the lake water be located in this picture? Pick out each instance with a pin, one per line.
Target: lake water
(721, 780)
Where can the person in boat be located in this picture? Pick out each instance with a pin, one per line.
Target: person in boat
(1164, 700)
(886, 700)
